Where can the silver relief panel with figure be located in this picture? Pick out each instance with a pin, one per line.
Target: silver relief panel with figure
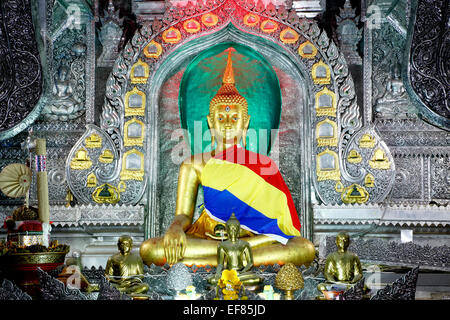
(66, 40)
(417, 147)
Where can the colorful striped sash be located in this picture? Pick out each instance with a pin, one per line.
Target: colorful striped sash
(251, 186)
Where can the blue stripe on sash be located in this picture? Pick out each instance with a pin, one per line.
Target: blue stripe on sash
(221, 204)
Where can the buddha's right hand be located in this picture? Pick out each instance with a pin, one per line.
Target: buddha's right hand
(174, 244)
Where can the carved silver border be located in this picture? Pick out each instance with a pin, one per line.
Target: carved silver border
(34, 114)
(90, 72)
(89, 215)
(27, 122)
(367, 66)
(413, 215)
(429, 115)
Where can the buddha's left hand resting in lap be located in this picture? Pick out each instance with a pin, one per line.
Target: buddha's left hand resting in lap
(234, 180)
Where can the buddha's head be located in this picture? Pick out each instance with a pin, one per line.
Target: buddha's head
(228, 117)
(125, 243)
(233, 227)
(342, 241)
(63, 73)
(397, 71)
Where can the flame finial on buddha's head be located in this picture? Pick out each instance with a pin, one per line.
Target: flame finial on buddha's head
(228, 94)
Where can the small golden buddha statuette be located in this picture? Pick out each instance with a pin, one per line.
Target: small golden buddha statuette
(125, 270)
(93, 141)
(342, 269)
(235, 254)
(354, 157)
(367, 141)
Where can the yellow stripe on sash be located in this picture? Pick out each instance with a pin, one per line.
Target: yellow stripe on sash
(250, 188)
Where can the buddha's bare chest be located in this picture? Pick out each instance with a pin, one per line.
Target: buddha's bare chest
(233, 252)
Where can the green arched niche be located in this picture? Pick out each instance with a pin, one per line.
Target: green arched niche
(255, 80)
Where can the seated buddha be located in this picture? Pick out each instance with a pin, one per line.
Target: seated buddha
(395, 90)
(63, 104)
(235, 254)
(125, 270)
(234, 180)
(341, 267)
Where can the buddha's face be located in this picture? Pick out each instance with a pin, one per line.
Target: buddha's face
(233, 229)
(228, 122)
(342, 242)
(125, 246)
(62, 73)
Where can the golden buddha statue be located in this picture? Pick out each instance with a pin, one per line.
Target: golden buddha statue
(260, 199)
(125, 270)
(341, 267)
(235, 254)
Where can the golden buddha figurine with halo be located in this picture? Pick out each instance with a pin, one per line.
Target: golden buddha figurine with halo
(234, 180)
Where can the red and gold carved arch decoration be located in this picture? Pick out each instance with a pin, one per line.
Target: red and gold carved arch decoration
(280, 25)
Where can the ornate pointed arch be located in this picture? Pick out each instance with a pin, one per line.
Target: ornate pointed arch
(300, 40)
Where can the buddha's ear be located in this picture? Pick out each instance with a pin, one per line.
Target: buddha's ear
(244, 132)
(211, 129)
(210, 121)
